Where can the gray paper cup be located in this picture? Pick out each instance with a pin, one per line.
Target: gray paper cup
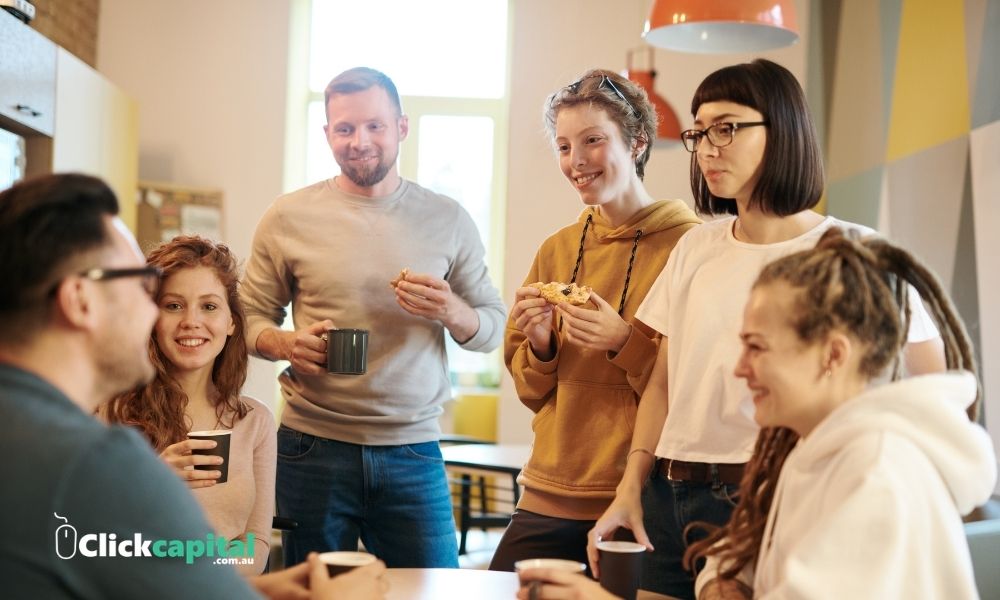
(620, 564)
(347, 351)
(338, 563)
(221, 438)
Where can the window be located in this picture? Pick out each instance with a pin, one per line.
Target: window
(456, 100)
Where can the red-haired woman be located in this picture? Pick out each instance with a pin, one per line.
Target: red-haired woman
(201, 363)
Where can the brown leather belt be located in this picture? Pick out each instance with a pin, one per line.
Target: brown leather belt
(679, 470)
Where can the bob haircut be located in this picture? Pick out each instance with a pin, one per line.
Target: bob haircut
(791, 178)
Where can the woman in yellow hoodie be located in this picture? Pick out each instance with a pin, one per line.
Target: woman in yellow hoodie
(582, 369)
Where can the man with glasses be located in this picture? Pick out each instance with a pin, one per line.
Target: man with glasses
(77, 311)
(358, 455)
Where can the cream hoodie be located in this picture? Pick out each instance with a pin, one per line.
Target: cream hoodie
(869, 504)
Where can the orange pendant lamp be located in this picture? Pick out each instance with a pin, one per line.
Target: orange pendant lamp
(721, 26)
(669, 127)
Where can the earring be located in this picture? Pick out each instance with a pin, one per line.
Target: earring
(829, 373)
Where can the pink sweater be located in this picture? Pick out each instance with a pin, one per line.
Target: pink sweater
(245, 503)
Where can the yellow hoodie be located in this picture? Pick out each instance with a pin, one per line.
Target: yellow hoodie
(585, 400)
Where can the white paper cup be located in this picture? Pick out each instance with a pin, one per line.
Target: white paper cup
(550, 563)
(341, 562)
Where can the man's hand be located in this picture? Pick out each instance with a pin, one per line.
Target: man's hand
(286, 584)
(361, 583)
(305, 348)
(431, 298)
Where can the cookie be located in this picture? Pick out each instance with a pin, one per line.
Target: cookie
(558, 293)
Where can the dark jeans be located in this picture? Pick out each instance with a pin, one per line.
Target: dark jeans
(668, 507)
(531, 535)
(395, 498)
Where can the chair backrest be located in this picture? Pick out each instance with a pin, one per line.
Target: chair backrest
(984, 546)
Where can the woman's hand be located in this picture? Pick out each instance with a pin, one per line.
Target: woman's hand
(539, 584)
(725, 589)
(625, 511)
(601, 329)
(532, 314)
(178, 456)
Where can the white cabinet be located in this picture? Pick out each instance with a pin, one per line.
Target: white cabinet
(96, 130)
(27, 78)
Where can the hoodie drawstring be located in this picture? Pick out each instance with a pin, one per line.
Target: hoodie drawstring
(628, 273)
(579, 255)
(631, 260)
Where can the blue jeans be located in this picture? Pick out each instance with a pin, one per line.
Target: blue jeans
(668, 507)
(395, 498)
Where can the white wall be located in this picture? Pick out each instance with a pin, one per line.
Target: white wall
(210, 81)
(554, 42)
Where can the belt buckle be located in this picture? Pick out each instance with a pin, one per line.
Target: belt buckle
(670, 466)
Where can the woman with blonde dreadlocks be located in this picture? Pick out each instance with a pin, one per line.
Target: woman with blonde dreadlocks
(581, 369)
(854, 490)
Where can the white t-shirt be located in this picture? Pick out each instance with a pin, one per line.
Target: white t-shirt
(697, 303)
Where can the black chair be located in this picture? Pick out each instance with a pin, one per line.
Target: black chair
(275, 559)
(494, 502)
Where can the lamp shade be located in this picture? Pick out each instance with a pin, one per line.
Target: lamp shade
(668, 126)
(721, 26)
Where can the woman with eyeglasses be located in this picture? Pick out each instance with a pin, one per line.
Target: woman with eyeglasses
(757, 166)
(581, 369)
(853, 490)
(201, 363)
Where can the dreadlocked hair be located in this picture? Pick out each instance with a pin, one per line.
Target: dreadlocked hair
(859, 286)
(157, 408)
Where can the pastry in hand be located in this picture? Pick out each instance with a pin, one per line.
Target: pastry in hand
(557, 293)
(402, 275)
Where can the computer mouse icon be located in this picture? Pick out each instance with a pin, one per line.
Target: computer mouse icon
(66, 538)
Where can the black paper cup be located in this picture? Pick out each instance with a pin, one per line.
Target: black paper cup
(221, 438)
(338, 563)
(347, 351)
(621, 567)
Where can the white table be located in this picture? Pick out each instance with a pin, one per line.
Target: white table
(450, 584)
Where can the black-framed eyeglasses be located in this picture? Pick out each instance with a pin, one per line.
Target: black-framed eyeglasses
(605, 81)
(719, 135)
(150, 276)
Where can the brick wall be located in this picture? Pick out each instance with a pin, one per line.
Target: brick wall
(71, 24)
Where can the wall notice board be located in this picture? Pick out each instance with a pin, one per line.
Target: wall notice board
(165, 210)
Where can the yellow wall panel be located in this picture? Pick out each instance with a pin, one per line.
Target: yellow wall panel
(930, 100)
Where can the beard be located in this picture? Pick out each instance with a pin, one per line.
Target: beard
(122, 370)
(367, 176)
